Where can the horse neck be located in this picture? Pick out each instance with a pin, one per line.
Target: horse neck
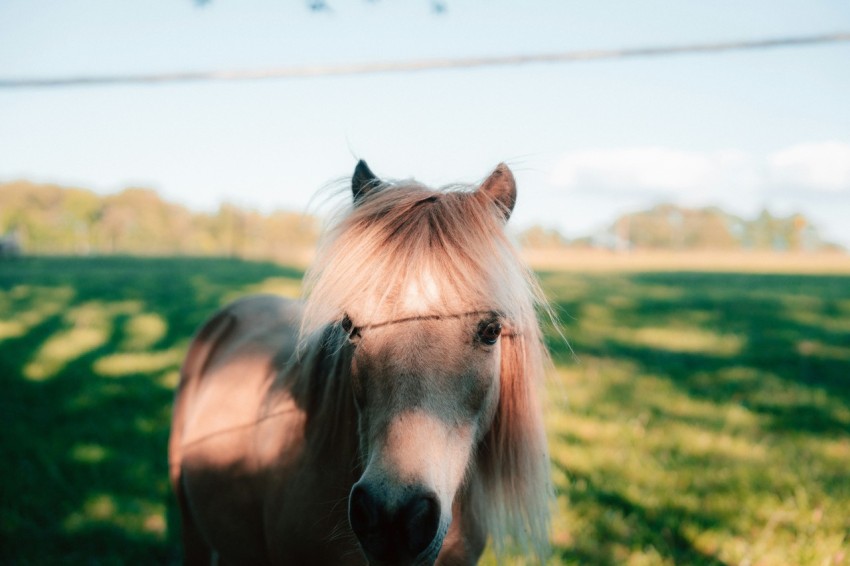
(320, 383)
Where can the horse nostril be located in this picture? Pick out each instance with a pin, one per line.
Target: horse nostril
(420, 520)
(362, 512)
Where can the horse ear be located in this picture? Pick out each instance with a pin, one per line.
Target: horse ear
(363, 182)
(500, 188)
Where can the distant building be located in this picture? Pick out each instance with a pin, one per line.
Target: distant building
(10, 245)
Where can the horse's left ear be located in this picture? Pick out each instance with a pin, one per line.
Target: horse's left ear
(500, 188)
(363, 182)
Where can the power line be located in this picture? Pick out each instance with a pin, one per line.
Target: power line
(421, 64)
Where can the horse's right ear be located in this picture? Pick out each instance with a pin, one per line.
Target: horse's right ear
(363, 182)
(500, 188)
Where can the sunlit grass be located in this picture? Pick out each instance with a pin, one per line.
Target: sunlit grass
(85, 328)
(707, 472)
(143, 331)
(817, 349)
(169, 379)
(25, 306)
(130, 363)
(282, 286)
(131, 514)
(685, 339)
(11, 329)
(89, 453)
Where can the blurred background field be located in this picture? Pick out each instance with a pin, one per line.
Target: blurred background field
(702, 417)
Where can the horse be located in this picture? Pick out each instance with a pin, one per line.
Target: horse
(392, 417)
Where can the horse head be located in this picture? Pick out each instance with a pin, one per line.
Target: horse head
(438, 318)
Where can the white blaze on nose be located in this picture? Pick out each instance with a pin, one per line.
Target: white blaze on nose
(422, 448)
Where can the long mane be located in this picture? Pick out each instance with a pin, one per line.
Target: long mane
(378, 248)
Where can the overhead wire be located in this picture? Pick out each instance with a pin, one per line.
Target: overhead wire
(419, 65)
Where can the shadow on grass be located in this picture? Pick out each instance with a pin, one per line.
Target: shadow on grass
(85, 462)
(764, 312)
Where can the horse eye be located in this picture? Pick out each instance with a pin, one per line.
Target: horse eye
(346, 324)
(488, 332)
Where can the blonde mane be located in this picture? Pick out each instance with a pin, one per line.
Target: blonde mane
(385, 244)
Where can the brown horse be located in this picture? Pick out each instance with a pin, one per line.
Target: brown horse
(391, 418)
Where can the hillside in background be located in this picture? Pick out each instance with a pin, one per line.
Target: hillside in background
(45, 219)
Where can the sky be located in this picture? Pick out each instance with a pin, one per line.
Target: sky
(587, 141)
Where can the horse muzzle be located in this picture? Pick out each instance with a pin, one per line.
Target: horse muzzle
(402, 530)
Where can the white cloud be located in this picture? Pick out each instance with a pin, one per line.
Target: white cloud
(695, 177)
(658, 171)
(812, 166)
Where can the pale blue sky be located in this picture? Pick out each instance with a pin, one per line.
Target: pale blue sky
(587, 141)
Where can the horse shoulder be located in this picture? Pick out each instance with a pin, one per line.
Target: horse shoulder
(232, 362)
(225, 436)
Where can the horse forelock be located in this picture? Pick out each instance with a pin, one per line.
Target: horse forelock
(408, 250)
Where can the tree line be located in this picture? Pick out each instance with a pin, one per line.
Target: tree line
(51, 219)
(671, 227)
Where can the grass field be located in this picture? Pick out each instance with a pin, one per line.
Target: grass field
(703, 419)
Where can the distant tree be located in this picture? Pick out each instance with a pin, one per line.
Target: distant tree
(670, 227)
(538, 237)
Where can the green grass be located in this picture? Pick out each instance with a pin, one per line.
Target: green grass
(704, 419)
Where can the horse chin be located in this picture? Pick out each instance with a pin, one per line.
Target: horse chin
(429, 555)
